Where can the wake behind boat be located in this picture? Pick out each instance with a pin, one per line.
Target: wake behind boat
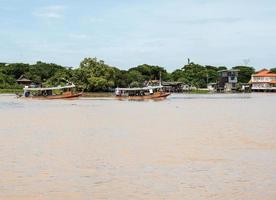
(59, 92)
(149, 92)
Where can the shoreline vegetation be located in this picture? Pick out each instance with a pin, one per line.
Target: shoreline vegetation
(10, 91)
(93, 75)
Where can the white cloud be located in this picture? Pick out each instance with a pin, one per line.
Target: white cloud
(50, 12)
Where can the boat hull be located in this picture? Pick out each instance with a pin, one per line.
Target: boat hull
(153, 96)
(63, 96)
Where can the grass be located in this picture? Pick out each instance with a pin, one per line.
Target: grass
(10, 91)
(198, 91)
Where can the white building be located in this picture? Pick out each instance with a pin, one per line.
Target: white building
(263, 81)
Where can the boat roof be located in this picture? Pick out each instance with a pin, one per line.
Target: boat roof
(50, 88)
(139, 89)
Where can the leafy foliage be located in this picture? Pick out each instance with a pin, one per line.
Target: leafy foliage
(273, 70)
(245, 73)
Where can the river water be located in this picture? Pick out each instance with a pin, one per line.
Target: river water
(220, 146)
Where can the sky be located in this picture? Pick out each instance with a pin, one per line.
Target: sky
(127, 33)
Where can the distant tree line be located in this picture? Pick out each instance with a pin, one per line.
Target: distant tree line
(94, 75)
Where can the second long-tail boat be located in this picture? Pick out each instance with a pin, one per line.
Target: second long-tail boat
(149, 92)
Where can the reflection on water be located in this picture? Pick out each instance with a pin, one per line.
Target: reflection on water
(220, 146)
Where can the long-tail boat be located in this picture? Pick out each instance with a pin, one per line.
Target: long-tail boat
(149, 92)
(59, 92)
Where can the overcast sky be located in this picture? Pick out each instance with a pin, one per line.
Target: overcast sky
(126, 33)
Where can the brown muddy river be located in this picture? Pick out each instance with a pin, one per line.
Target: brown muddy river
(188, 147)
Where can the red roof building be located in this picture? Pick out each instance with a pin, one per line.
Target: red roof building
(263, 80)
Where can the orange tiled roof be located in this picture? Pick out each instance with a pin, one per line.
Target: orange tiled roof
(274, 82)
(264, 73)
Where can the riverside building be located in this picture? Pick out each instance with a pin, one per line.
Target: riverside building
(263, 81)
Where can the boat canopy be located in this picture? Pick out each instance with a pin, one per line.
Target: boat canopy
(139, 89)
(51, 88)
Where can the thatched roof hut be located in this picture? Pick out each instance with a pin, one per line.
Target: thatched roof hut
(22, 80)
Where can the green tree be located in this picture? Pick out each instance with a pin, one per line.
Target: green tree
(244, 74)
(15, 70)
(99, 76)
(99, 84)
(222, 68)
(273, 70)
(178, 75)
(195, 75)
(61, 77)
(212, 73)
(135, 76)
(151, 72)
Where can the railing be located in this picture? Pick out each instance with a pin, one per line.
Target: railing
(263, 88)
(265, 79)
